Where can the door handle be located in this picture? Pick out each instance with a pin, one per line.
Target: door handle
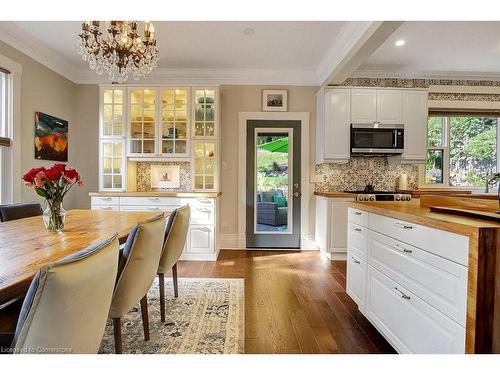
(296, 194)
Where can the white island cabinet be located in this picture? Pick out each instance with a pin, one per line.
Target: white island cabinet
(409, 280)
(201, 241)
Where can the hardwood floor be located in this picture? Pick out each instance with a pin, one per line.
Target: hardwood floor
(295, 302)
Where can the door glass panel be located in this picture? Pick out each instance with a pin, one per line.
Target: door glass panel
(272, 206)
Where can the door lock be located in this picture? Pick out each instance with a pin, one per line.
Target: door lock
(297, 194)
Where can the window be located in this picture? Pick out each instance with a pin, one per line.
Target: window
(461, 150)
(5, 141)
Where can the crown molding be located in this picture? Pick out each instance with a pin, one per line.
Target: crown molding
(12, 35)
(451, 75)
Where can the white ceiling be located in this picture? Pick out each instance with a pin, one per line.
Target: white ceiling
(438, 49)
(274, 46)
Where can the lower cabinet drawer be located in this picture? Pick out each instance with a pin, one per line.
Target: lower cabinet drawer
(148, 208)
(357, 240)
(356, 280)
(201, 239)
(439, 282)
(104, 201)
(146, 201)
(198, 202)
(410, 324)
(202, 215)
(105, 208)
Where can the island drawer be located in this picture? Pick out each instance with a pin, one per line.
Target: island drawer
(155, 201)
(357, 240)
(104, 201)
(358, 216)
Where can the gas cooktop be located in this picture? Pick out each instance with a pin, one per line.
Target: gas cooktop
(370, 194)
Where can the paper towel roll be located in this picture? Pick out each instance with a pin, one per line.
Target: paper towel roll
(403, 181)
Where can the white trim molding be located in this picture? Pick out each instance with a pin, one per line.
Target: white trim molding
(307, 196)
(14, 118)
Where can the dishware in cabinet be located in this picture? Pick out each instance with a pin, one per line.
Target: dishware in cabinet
(205, 113)
(174, 132)
(142, 121)
(204, 165)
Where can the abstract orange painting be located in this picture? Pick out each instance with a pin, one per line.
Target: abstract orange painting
(51, 138)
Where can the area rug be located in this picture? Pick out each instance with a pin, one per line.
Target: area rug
(206, 318)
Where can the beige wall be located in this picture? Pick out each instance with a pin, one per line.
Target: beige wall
(41, 90)
(235, 99)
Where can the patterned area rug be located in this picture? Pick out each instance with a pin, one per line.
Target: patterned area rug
(207, 318)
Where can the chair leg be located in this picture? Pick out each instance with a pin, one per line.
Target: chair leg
(174, 277)
(117, 330)
(145, 318)
(161, 280)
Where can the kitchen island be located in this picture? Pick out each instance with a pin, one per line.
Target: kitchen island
(445, 268)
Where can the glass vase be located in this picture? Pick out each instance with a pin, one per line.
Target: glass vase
(54, 215)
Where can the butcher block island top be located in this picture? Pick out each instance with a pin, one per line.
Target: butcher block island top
(483, 279)
(178, 194)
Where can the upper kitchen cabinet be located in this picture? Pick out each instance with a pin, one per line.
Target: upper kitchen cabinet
(376, 105)
(333, 113)
(415, 113)
(363, 106)
(174, 129)
(142, 121)
(204, 113)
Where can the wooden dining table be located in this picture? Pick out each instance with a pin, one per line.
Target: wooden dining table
(25, 244)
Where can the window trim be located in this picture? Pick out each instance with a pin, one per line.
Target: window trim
(446, 155)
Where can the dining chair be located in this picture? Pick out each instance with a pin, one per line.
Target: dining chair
(66, 307)
(136, 272)
(175, 240)
(19, 211)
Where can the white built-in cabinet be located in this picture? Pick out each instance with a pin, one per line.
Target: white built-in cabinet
(331, 226)
(337, 108)
(409, 280)
(158, 123)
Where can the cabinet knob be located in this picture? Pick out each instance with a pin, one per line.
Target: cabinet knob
(357, 229)
(357, 213)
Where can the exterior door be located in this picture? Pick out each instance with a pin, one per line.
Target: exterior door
(273, 190)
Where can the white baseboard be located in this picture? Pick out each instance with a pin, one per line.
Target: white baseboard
(200, 257)
(334, 256)
(231, 241)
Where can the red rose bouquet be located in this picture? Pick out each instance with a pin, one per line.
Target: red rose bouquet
(53, 184)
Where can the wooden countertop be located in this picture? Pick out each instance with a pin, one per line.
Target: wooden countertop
(412, 211)
(334, 194)
(184, 194)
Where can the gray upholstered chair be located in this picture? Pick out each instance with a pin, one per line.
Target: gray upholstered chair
(19, 211)
(137, 271)
(175, 239)
(67, 304)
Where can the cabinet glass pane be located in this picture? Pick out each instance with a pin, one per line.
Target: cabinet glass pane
(136, 96)
(210, 129)
(180, 147)
(168, 147)
(118, 97)
(168, 130)
(199, 113)
(107, 113)
(108, 96)
(117, 165)
(149, 96)
(198, 166)
(117, 181)
(199, 150)
(210, 149)
(198, 182)
(168, 98)
(136, 146)
(209, 166)
(107, 149)
(148, 147)
(209, 113)
(106, 181)
(117, 128)
(117, 148)
(209, 182)
(149, 130)
(198, 129)
(107, 165)
(136, 130)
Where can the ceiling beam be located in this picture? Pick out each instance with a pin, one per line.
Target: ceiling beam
(355, 43)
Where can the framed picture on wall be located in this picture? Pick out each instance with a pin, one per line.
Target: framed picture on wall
(165, 176)
(51, 138)
(274, 100)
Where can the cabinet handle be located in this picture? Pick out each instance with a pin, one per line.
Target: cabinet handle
(355, 260)
(106, 199)
(403, 226)
(401, 294)
(107, 208)
(153, 208)
(404, 250)
(154, 199)
(202, 200)
(204, 210)
(203, 229)
(357, 229)
(357, 213)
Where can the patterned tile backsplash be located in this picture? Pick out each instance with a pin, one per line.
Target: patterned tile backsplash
(360, 171)
(144, 175)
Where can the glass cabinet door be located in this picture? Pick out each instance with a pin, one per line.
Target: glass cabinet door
(142, 128)
(174, 122)
(112, 113)
(204, 165)
(204, 113)
(112, 164)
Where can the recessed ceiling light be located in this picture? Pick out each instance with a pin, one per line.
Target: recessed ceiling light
(249, 31)
(400, 43)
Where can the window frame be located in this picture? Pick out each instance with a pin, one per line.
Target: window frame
(446, 156)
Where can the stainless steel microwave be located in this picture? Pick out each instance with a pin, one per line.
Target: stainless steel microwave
(377, 139)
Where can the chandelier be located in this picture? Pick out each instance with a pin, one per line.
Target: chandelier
(120, 51)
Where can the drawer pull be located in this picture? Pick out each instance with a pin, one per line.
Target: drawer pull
(203, 200)
(355, 260)
(107, 208)
(204, 210)
(357, 213)
(203, 229)
(106, 199)
(357, 229)
(404, 250)
(403, 226)
(401, 294)
(153, 208)
(154, 199)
